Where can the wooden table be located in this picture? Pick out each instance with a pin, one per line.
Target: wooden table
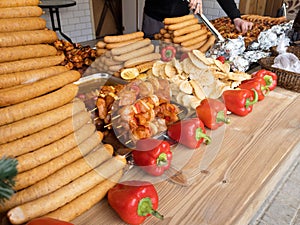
(231, 178)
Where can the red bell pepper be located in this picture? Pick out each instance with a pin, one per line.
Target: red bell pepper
(258, 84)
(240, 101)
(189, 132)
(134, 201)
(152, 155)
(168, 53)
(269, 77)
(47, 221)
(212, 113)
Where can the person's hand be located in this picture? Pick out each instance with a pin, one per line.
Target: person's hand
(196, 5)
(242, 25)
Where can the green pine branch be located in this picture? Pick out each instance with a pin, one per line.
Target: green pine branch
(8, 171)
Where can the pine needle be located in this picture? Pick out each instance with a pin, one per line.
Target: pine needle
(8, 171)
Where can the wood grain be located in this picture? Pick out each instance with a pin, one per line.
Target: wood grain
(229, 180)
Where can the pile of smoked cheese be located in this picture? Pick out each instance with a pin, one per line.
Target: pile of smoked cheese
(187, 32)
(63, 167)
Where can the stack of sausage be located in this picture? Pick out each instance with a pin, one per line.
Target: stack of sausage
(110, 42)
(44, 126)
(125, 51)
(187, 32)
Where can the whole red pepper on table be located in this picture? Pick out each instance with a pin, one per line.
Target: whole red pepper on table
(269, 77)
(258, 84)
(168, 53)
(189, 132)
(240, 101)
(212, 112)
(134, 201)
(152, 155)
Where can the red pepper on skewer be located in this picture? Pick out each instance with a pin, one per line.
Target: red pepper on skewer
(189, 132)
(269, 77)
(240, 101)
(258, 84)
(152, 155)
(212, 113)
(168, 53)
(221, 58)
(134, 201)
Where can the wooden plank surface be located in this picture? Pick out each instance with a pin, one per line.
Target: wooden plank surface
(252, 7)
(231, 178)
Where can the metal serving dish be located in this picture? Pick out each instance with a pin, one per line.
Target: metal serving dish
(89, 87)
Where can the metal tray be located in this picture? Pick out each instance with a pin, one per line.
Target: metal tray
(89, 87)
(95, 81)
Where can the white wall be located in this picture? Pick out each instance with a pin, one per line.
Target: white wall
(76, 21)
(130, 15)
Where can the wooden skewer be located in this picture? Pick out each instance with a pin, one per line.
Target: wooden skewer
(115, 117)
(120, 135)
(107, 125)
(127, 142)
(96, 118)
(120, 126)
(92, 110)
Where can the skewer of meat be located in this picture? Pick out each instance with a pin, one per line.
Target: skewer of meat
(145, 118)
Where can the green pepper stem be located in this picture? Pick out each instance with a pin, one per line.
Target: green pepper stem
(169, 53)
(248, 102)
(265, 90)
(157, 214)
(269, 80)
(145, 207)
(162, 159)
(222, 118)
(200, 134)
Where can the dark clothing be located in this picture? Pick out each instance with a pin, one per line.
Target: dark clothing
(151, 26)
(230, 8)
(160, 9)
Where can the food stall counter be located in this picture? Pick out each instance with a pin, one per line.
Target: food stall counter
(230, 179)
